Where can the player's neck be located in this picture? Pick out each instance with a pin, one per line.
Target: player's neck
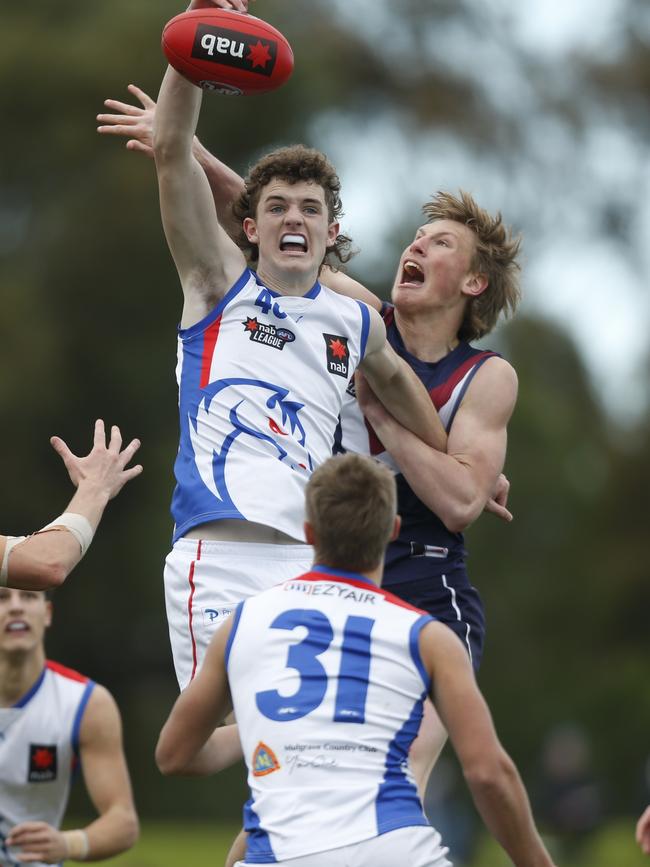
(428, 338)
(287, 283)
(18, 673)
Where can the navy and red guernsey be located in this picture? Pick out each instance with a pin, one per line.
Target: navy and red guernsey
(425, 565)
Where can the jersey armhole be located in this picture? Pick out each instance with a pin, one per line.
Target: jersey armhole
(414, 645)
(365, 329)
(235, 623)
(76, 725)
(200, 326)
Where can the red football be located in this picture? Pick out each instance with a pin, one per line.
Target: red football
(227, 51)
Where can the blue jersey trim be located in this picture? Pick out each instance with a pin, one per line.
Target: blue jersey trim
(198, 327)
(470, 376)
(414, 645)
(31, 692)
(76, 725)
(365, 329)
(314, 292)
(341, 573)
(258, 846)
(236, 616)
(397, 803)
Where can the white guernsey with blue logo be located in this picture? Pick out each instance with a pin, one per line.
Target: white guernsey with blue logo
(39, 750)
(328, 687)
(261, 382)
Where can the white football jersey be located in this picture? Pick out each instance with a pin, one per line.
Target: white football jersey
(261, 382)
(328, 688)
(39, 749)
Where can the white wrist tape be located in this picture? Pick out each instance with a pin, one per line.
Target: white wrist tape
(77, 844)
(79, 526)
(11, 542)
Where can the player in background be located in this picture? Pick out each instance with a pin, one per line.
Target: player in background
(51, 720)
(327, 675)
(451, 285)
(44, 560)
(264, 360)
(643, 831)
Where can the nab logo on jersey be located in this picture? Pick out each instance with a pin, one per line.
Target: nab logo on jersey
(338, 355)
(264, 761)
(42, 763)
(270, 335)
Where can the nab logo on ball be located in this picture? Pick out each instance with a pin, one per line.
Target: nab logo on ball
(338, 355)
(42, 763)
(230, 48)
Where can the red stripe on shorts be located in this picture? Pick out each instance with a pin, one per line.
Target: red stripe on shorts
(189, 608)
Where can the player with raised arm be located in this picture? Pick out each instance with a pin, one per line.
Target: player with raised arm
(44, 559)
(327, 675)
(52, 720)
(264, 361)
(452, 283)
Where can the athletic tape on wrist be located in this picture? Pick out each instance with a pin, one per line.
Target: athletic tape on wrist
(11, 542)
(79, 526)
(77, 844)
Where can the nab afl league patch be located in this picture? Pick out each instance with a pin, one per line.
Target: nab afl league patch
(232, 48)
(269, 335)
(338, 355)
(42, 763)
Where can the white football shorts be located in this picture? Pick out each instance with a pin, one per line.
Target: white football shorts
(204, 582)
(417, 846)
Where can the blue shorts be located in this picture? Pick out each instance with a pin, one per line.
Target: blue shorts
(451, 599)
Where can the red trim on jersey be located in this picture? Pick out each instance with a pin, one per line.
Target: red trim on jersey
(441, 393)
(209, 342)
(364, 585)
(57, 668)
(190, 579)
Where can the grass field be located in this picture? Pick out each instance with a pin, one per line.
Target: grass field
(204, 845)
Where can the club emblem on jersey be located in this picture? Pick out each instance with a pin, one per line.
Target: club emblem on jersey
(232, 410)
(264, 761)
(338, 355)
(42, 763)
(269, 335)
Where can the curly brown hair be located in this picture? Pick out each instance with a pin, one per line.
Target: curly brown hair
(293, 164)
(495, 256)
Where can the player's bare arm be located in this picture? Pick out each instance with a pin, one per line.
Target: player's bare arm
(107, 782)
(491, 775)
(643, 832)
(346, 285)
(399, 389)
(207, 260)
(44, 559)
(456, 485)
(188, 742)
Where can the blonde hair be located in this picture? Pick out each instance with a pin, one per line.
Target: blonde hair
(495, 256)
(351, 503)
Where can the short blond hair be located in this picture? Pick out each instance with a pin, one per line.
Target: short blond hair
(495, 256)
(351, 503)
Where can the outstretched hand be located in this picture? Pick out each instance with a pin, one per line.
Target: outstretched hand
(104, 467)
(133, 122)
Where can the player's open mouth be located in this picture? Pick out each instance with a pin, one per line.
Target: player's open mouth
(412, 274)
(17, 626)
(293, 244)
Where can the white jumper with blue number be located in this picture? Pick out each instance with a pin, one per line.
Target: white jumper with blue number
(328, 687)
(261, 382)
(39, 749)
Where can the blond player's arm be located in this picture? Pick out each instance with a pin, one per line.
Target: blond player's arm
(190, 742)
(491, 775)
(109, 788)
(45, 559)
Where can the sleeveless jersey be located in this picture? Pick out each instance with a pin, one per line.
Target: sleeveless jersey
(39, 751)
(328, 685)
(425, 547)
(261, 382)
